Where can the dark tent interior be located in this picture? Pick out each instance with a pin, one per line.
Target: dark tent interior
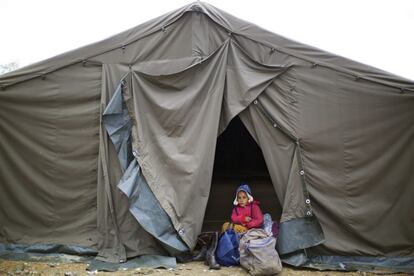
(238, 159)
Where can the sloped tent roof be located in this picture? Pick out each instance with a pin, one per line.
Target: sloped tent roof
(336, 137)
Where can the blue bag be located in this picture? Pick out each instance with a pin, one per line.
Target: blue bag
(227, 252)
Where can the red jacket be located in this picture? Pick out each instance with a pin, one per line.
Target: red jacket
(239, 214)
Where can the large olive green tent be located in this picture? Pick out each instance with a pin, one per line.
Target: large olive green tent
(111, 146)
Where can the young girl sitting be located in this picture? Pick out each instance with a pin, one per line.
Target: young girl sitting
(246, 213)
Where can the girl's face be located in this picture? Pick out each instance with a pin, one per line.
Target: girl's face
(242, 198)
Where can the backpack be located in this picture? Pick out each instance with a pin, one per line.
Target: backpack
(227, 252)
(258, 254)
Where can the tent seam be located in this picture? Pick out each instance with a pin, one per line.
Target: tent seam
(295, 140)
(313, 63)
(190, 8)
(85, 60)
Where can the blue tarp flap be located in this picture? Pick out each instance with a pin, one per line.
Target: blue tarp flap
(118, 125)
(350, 263)
(299, 233)
(143, 205)
(147, 210)
(44, 248)
(63, 253)
(146, 261)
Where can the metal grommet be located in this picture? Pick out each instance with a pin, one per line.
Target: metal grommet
(255, 102)
(307, 201)
(181, 231)
(309, 213)
(272, 50)
(274, 125)
(301, 172)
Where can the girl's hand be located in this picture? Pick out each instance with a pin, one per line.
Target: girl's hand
(248, 219)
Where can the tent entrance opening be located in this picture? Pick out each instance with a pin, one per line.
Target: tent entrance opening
(238, 159)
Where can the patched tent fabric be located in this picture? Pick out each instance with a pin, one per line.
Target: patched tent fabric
(84, 134)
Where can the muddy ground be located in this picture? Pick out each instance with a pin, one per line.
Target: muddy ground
(193, 268)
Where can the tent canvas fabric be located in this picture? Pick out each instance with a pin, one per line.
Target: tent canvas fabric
(143, 110)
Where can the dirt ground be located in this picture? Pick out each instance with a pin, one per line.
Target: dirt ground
(193, 268)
